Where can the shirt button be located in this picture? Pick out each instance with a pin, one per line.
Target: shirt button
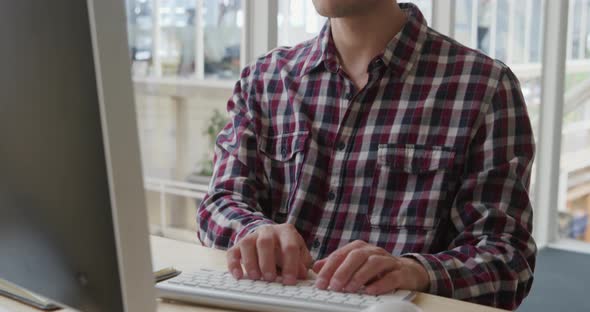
(331, 196)
(349, 96)
(316, 243)
(284, 151)
(341, 145)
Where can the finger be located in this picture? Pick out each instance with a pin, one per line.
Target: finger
(388, 283)
(375, 266)
(353, 261)
(265, 246)
(328, 269)
(250, 256)
(306, 258)
(302, 271)
(333, 262)
(318, 265)
(290, 257)
(233, 262)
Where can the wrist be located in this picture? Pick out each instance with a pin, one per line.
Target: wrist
(422, 279)
(250, 229)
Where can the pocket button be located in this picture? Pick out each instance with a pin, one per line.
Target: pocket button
(316, 243)
(331, 196)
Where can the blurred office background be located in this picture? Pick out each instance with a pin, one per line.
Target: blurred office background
(187, 55)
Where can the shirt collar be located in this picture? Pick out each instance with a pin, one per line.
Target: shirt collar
(400, 54)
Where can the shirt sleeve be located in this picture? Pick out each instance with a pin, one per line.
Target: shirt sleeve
(491, 260)
(231, 209)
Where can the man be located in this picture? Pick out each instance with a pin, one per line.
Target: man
(390, 155)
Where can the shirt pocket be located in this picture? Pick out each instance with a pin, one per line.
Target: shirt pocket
(409, 185)
(282, 158)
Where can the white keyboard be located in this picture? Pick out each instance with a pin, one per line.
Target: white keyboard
(219, 288)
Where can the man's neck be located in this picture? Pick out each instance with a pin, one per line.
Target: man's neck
(359, 39)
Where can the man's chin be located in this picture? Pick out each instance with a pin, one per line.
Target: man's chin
(344, 8)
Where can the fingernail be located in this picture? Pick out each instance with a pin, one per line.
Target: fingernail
(321, 283)
(268, 277)
(289, 279)
(350, 288)
(253, 275)
(236, 273)
(335, 285)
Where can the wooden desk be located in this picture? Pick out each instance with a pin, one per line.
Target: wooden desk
(190, 257)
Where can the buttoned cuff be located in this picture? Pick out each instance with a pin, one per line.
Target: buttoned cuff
(440, 280)
(249, 228)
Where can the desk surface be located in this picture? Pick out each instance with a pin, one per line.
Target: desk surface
(190, 257)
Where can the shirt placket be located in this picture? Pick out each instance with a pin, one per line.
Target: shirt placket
(353, 104)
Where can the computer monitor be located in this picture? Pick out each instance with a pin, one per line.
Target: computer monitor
(73, 224)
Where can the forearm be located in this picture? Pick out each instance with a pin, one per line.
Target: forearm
(491, 259)
(499, 276)
(233, 206)
(222, 220)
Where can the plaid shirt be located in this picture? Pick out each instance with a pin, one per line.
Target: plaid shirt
(430, 160)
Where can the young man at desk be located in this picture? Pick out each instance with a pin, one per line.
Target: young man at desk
(381, 154)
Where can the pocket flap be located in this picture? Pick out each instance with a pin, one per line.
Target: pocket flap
(415, 159)
(283, 147)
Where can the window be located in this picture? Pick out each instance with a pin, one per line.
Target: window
(186, 58)
(140, 28)
(299, 21)
(574, 207)
(223, 21)
(185, 38)
(503, 29)
(496, 28)
(177, 34)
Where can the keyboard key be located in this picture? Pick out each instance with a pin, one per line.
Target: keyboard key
(189, 283)
(335, 300)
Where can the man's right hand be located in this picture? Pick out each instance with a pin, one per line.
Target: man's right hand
(269, 251)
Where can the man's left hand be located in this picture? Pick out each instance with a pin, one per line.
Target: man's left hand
(360, 264)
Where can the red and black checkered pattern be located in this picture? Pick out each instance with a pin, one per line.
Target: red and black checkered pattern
(430, 160)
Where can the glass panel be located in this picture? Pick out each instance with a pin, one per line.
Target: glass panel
(177, 37)
(587, 34)
(574, 207)
(518, 43)
(140, 27)
(576, 29)
(297, 21)
(484, 25)
(502, 22)
(536, 34)
(464, 21)
(223, 21)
